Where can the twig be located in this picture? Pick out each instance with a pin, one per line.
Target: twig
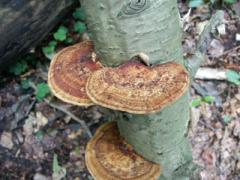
(42, 74)
(230, 50)
(206, 125)
(64, 110)
(30, 107)
(203, 42)
(18, 104)
(60, 108)
(17, 111)
(51, 120)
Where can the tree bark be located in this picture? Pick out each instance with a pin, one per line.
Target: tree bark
(24, 23)
(122, 29)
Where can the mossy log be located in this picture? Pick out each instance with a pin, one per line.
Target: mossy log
(24, 23)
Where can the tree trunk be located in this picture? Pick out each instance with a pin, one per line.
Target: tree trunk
(122, 29)
(24, 23)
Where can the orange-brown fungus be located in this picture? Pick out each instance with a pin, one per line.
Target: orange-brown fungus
(109, 157)
(69, 71)
(136, 88)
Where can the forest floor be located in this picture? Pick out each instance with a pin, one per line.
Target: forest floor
(41, 137)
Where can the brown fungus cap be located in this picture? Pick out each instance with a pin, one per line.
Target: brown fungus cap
(136, 88)
(109, 157)
(69, 71)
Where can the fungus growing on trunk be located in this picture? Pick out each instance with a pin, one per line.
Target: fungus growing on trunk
(109, 157)
(69, 71)
(136, 88)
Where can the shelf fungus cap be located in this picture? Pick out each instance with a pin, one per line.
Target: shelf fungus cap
(136, 88)
(69, 71)
(109, 157)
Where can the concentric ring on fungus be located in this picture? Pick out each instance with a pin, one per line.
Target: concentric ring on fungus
(109, 157)
(69, 71)
(136, 88)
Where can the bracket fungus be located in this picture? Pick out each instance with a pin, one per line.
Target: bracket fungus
(109, 157)
(69, 71)
(136, 88)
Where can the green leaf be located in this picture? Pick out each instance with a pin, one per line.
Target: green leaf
(196, 102)
(42, 91)
(48, 50)
(25, 84)
(80, 27)
(230, 1)
(58, 171)
(69, 40)
(59, 36)
(39, 135)
(79, 14)
(227, 118)
(195, 3)
(63, 29)
(77, 150)
(61, 33)
(233, 77)
(52, 43)
(56, 167)
(208, 99)
(18, 68)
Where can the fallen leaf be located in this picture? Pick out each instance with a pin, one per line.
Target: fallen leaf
(200, 26)
(39, 176)
(216, 48)
(6, 140)
(237, 37)
(221, 29)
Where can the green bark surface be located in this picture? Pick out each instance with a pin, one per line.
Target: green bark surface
(160, 137)
(119, 33)
(120, 30)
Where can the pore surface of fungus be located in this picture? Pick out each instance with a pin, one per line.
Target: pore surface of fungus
(69, 71)
(136, 88)
(109, 157)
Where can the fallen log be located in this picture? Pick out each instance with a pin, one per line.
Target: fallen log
(24, 23)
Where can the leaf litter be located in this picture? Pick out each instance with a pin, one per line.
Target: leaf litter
(40, 142)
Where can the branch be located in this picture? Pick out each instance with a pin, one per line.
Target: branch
(64, 110)
(203, 43)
